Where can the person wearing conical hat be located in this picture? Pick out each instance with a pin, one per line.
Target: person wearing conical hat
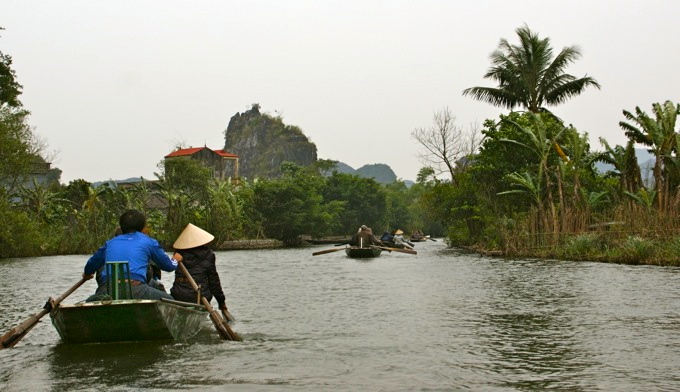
(199, 261)
(399, 239)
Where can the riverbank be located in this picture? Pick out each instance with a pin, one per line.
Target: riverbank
(250, 244)
(633, 250)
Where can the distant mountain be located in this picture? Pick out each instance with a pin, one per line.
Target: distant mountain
(380, 172)
(130, 180)
(342, 167)
(645, 160)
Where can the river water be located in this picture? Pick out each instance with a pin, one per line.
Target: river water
(439, 321)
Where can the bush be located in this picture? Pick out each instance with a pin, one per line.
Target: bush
(19, 236)
(583, 246)
(669, 252)
(635, 250)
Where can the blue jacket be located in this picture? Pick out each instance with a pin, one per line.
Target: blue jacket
(135, 248)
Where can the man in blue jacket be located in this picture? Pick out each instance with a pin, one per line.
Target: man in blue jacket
(137, 249)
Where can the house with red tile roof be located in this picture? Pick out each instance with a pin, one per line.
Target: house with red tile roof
(223, 164)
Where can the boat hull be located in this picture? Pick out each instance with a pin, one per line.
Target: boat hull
(126, 320)
(360, 253)
(329, 241)
(398, 245)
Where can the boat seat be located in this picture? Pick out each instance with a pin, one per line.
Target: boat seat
(118, 280)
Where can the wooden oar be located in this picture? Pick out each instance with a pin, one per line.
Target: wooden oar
(406, 245)
(17, 333)
(321, 252)
(408, 251)
(223, 329)
(227, 316)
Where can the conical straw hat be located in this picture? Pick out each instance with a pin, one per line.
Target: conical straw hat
(191, 237)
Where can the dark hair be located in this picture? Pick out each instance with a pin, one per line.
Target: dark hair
(131, 221)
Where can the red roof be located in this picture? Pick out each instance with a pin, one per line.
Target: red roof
(226, 154)
(191, 151)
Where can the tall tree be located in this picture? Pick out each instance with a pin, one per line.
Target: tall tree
(528, 75)
(292, 205)
(659, 134)
(625, 163)
(541, 140)
(365, 201)
(10, 89)
(18, 148)
(445, 143)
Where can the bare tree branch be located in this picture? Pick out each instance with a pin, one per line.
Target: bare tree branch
(445, 143)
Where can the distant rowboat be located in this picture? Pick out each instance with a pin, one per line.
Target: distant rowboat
(326, 241)
(398, 245)
(420, 238)
(358, 252)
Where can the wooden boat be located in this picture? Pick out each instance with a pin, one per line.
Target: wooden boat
(358, 252)
(127, 320)
(398, 245)
(328, 241)
(419, 239)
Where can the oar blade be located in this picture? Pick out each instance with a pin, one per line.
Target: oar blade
(227, 315)
(323, 252)
(219, 325)
(407, 251)
(223, 329)
(13, 336)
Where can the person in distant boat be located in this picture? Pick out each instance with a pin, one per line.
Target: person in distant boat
(399, 239)
(365, 238)
(417, 235)
(199, 261)
(387, 237)
(137, 249)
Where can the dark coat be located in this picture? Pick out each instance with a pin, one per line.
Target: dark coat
(364, 238)
(200, 262)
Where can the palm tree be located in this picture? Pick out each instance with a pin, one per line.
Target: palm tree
(540, 143)
(625, 162)
(581, 162)
(659, 135)
(529, 76)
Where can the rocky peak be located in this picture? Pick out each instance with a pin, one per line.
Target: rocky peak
(264, 142)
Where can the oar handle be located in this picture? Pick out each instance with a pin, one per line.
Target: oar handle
(68, 292)
(221, 326)
(192, 282)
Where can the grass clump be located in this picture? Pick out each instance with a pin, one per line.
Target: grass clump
(634, 250)
(583, 246)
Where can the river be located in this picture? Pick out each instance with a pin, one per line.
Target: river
(438, 321)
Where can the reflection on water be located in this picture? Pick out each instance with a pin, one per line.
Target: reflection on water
(110, 364)
(527, 328)
(441, 320)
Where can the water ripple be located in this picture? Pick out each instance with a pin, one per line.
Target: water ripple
(442, 320)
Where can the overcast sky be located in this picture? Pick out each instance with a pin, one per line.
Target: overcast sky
(113, 86)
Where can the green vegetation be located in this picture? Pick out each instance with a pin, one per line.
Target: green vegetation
(78, 217)
(531, 189)
(529, 75)
(522, 185)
